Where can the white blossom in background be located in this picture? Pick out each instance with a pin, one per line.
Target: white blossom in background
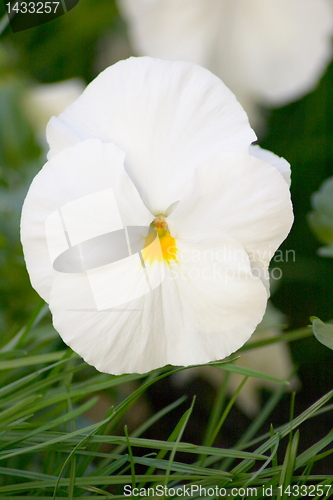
(273, 360)
(150, 229)
(43, 101)
(268, 52)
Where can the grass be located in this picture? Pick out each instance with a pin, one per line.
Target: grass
(50, 448)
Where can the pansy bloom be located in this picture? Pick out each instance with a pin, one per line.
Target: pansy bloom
(268, 52)
(49, 99)
(150, 229)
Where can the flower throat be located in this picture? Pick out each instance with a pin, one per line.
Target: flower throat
(167, 242)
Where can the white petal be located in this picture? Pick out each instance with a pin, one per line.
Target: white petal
(266, 51)
(44, 101)
(166, 116)
(63, 195)
(276, 161)
(206, 307)
(223, 300)
(291, 64)
(179, 30)
(240, 196)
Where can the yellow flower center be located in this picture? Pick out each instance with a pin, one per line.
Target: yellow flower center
(167, 249)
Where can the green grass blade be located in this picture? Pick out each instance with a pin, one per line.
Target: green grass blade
(311, 452)
(284, 431)
(178, 432)
(302, 333)
(33, 360)
(247, 372)
(216, 411)
(49, 425)
(132, 464)
(288, 466)
(224, 416)
(152, 420)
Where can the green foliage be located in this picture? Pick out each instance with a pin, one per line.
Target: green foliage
(301, 132)
(321, 218)
(19, 160)
(323, 332)
(65, 47)
(51, 448)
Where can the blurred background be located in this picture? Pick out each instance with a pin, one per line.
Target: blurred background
(73, 49)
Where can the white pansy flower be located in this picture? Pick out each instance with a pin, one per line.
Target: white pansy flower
(150, 229)
(50, 99)
(268, 52)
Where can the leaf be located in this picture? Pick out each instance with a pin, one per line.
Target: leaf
(326, 251)
(248, 372)
(321, 218)
(322, 331)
